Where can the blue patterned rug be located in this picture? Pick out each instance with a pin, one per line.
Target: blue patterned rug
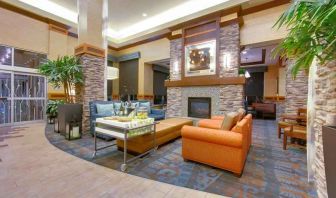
(269, 170)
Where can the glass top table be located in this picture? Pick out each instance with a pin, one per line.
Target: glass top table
(125, 131)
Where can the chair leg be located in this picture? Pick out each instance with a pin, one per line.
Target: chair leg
(279, 132)
(285, 141)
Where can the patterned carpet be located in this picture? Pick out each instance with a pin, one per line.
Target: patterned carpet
(269, 170)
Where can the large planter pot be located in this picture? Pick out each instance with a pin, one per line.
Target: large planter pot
(329, 147)
(68, 113)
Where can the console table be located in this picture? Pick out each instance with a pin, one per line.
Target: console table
(125, 131)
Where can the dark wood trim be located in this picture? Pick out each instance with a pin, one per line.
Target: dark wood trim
(173, 37)
(112, 48)
(32, 15)
(199, 33)
(200, 78)
(189, 82)
(263, 57)
(58, 29)
(72, 34)
(238, 20)
(89, 49)
(208, 17)
(264, 6)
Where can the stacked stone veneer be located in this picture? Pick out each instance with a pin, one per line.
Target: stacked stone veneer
(93, 88)
(296, 91)
(224, 98)
(325, 107)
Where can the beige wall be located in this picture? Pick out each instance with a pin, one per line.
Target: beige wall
(257, 27)
(156, 50)
(270, 80)
(23, 32)
(33, 35)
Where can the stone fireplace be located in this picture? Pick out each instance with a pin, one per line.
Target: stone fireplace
(225, 89)
(199, 107)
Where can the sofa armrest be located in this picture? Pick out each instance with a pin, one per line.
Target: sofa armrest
(211, 124)
(217, 117)
(158, 111)
(214, 136)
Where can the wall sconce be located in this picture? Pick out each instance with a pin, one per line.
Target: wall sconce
(226, 61)
(176, 67)
(112, 73)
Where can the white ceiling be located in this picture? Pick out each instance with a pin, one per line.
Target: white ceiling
(126, 15)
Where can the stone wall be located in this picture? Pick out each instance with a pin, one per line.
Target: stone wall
(175, 59)
(325, 107)
(296, 91)
(229, 46)
(174, 102)
(224, 98)
(93, 88)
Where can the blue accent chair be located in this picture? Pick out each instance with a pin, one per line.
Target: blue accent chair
(94, 115)
(157, 114)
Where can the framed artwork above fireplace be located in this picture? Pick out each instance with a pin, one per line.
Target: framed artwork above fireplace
(200, 59)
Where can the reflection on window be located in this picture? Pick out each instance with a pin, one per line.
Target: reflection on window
(28, 86)
(5, 85)
(28, 59)
(28, 110)
(5, 55)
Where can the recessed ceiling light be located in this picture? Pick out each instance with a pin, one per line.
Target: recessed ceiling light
(244, 52)
(144, 14)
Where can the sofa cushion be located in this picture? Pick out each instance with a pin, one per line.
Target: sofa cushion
(229, 121)
(135, 105)
(156, 116)
(147, 105)
(177, 121)
(217, 117)
(105, 109)
(210, 123)
(117, 106)
(241, 113)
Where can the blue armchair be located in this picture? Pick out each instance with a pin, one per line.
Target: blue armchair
(94, 115)
(157, 114)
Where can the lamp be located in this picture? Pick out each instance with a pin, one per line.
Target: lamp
(247, 74)
(112, 73)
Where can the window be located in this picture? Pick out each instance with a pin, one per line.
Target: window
(28, 59)
(5, 55)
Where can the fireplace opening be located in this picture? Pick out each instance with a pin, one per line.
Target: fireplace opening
(199, 107)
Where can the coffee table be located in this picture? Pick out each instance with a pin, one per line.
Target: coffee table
(125, 131)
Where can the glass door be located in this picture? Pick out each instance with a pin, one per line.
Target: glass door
(22, 97)
(29, 97)
(5, 97)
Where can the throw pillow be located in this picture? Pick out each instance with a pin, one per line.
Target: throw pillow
(241, 113)
(229, 121)
(147, 105)
(135, 105)
(117, 106)
(105, 109)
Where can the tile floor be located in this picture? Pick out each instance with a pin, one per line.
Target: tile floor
(31, 167)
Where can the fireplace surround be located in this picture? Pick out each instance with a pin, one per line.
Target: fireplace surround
(199, 107)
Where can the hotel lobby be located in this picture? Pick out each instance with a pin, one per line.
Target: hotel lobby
(178, 98)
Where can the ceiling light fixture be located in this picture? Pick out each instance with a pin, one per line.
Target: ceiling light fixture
(53, 8)
(144, 14)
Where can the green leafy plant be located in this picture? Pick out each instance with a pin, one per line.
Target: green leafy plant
(66, 71)
(312, 33)
(52, 107)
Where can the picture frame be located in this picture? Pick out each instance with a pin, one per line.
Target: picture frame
(200, 59)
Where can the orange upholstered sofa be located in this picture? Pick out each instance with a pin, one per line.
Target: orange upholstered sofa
(219, 148)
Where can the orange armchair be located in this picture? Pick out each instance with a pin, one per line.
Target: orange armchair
(222, 149)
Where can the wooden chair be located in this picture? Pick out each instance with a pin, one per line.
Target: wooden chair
(294, 131)
(282, 124)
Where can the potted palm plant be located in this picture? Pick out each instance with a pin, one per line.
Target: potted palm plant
(65, 72)
(311, 43)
